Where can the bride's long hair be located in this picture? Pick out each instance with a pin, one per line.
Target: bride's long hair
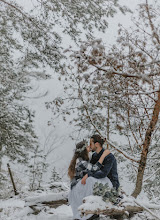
(80, 151)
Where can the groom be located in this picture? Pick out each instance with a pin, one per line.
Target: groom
(109, 165)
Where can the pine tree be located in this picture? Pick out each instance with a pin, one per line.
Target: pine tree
(55, 176)
(29, 42)
(18, 62)
(37, 167)
(56, 183)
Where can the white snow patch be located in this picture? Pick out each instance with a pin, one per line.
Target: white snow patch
(47, 198)
(94, 203)
(12, 203)
(63, 210)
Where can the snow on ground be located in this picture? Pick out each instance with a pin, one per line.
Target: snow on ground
(16, 208)
(94, 203)
(12, 203)
(63, 212)
(47, 198)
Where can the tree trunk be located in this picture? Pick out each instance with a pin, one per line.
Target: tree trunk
(0, 157)
(146, 145)
(108, 122)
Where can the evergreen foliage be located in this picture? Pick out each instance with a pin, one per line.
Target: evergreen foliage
(108, 194)
(37, 167)
(55, 176)
(30, 42)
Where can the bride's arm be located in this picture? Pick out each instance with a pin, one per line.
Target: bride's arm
(98, 165)
(105, 153)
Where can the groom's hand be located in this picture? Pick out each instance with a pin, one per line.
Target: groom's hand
(83, 181)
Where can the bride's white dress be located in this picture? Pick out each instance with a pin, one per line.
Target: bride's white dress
(79, 191)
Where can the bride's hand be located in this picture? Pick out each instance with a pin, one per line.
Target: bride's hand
(88, 149)
(106, 152)
(83, 181)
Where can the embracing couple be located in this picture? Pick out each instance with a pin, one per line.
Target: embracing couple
(84, 172)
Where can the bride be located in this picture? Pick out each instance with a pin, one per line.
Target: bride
(80, 167)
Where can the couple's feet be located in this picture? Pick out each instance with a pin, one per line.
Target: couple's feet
(92, 217)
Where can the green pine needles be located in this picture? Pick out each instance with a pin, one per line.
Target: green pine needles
(108, 194)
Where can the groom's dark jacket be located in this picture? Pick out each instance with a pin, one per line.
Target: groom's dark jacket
(108, 169)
